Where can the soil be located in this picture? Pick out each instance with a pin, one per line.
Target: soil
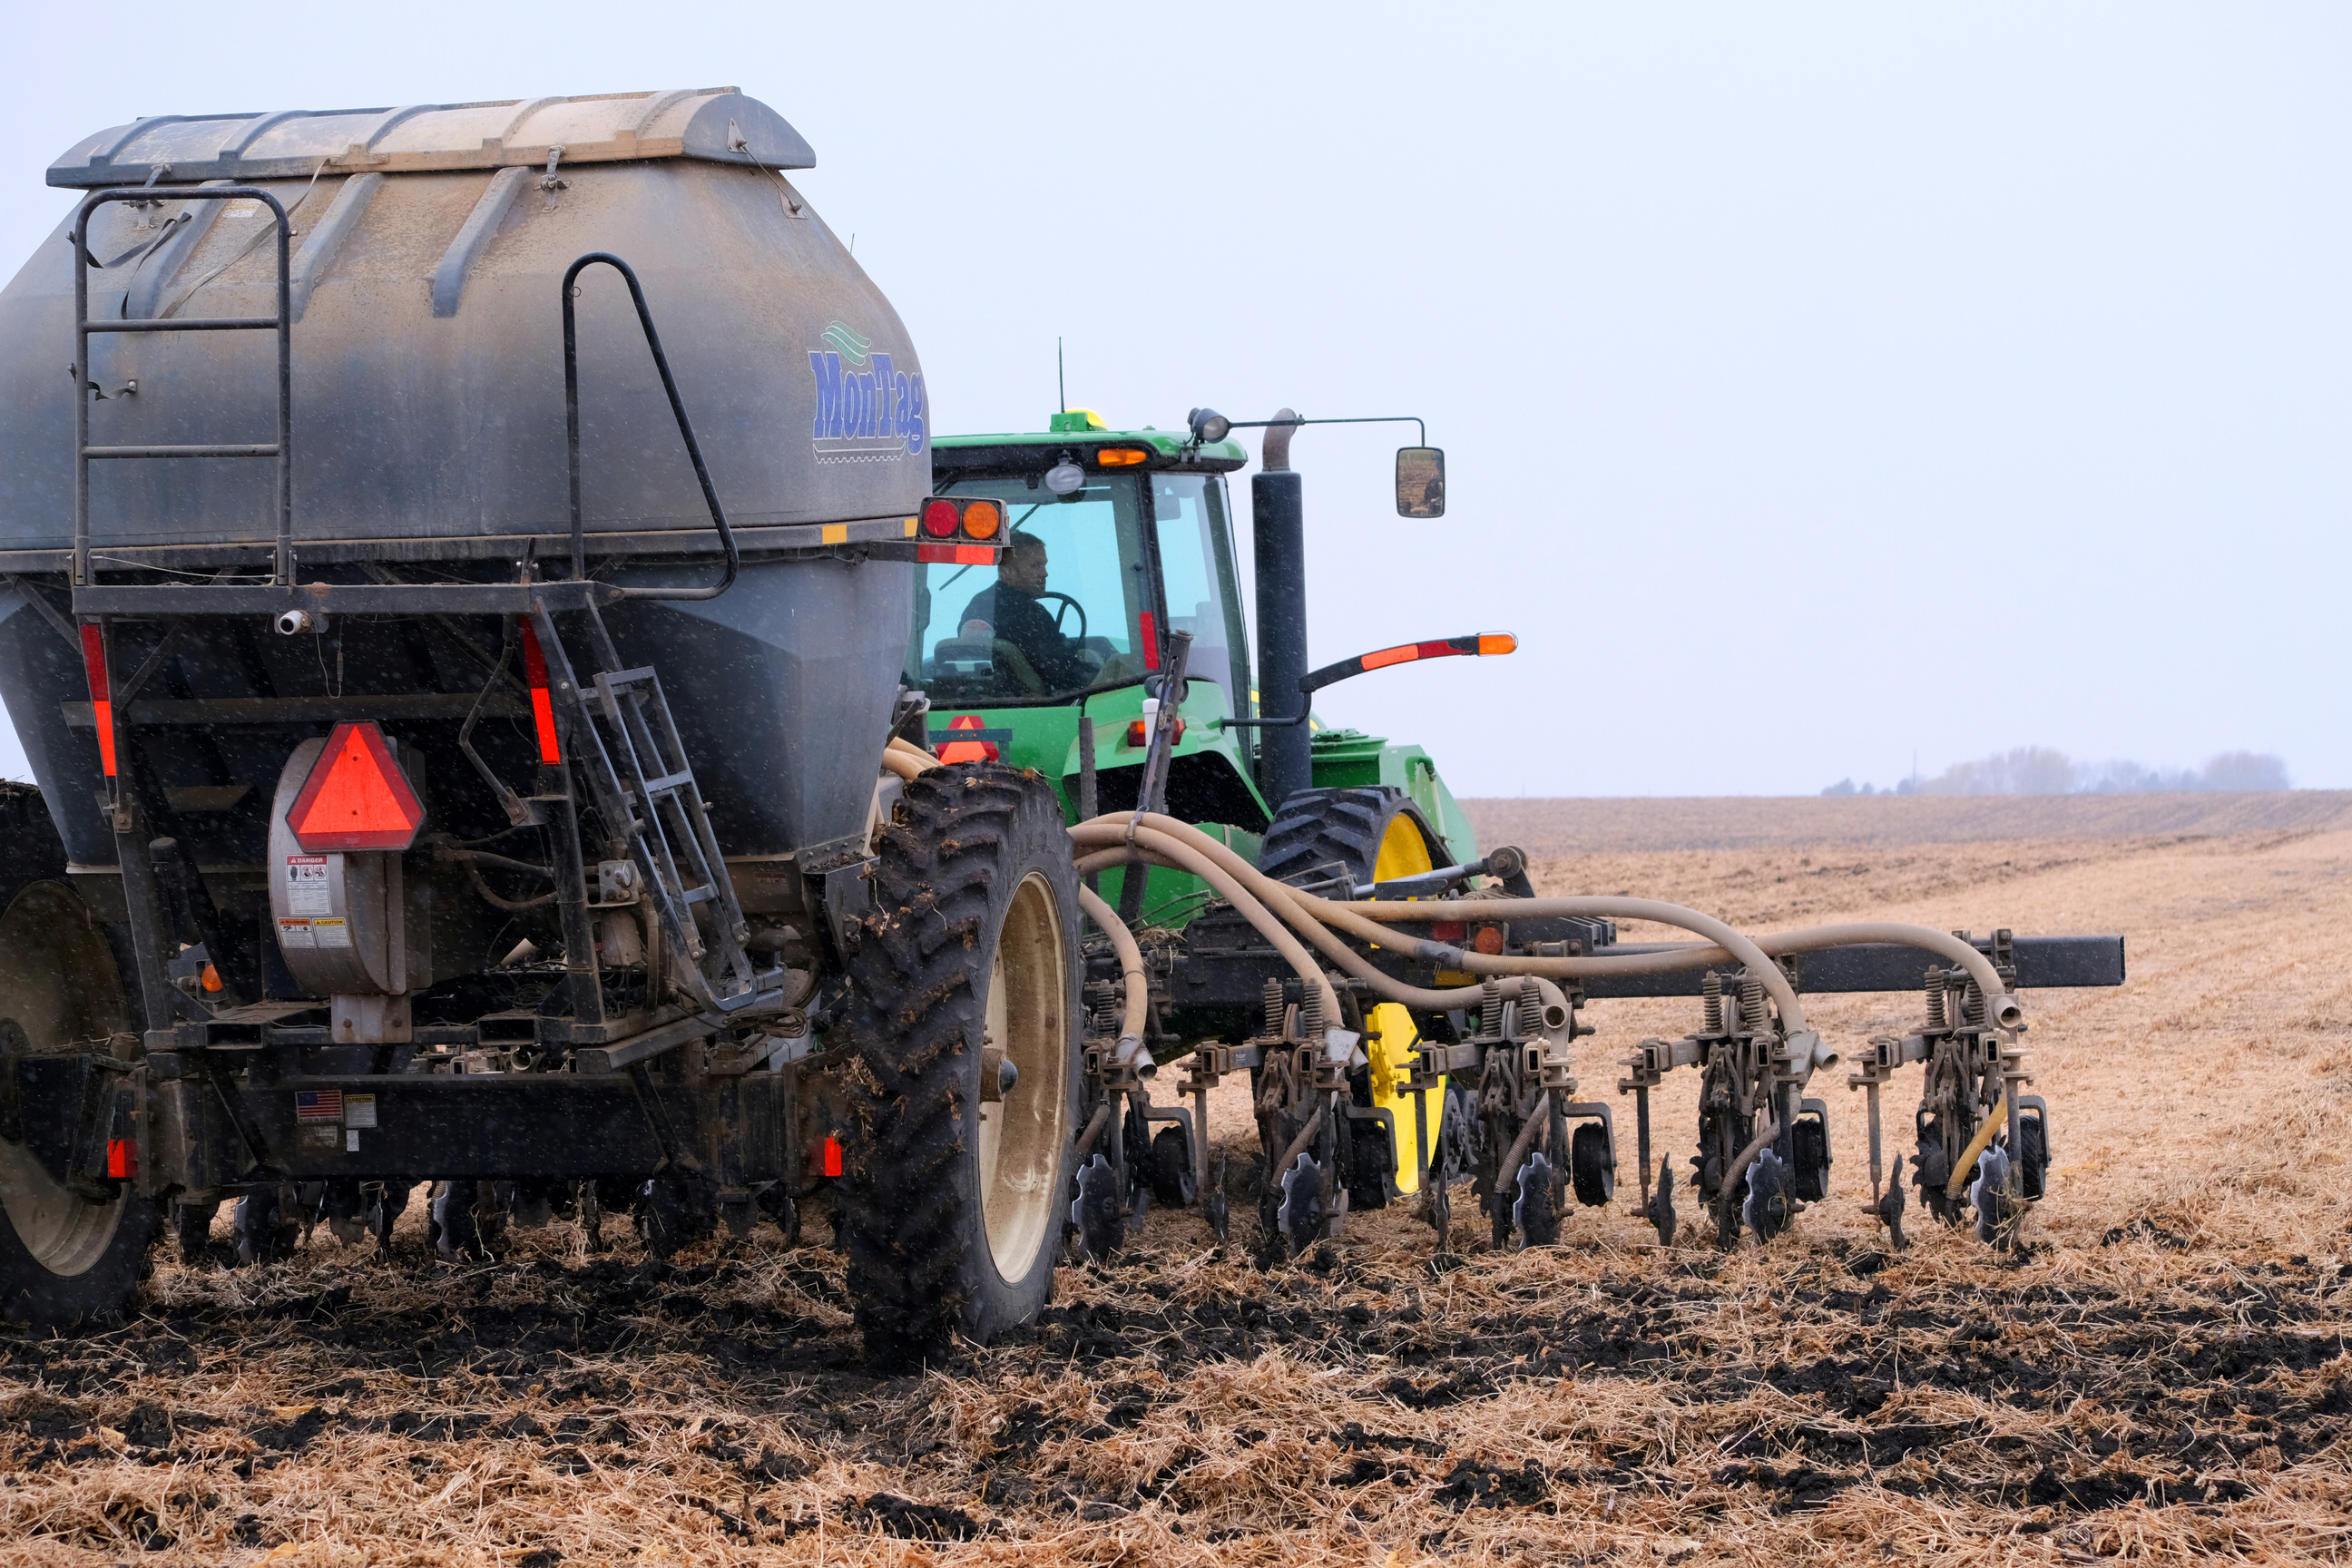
(2161, 1372)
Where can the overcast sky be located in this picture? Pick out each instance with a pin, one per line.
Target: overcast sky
(1822, 385)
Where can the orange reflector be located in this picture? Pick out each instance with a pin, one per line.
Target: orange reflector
(543, 704)
(981, 519)
(356, 796)
(1489, 939)
(1121, 457)
(212, 981)
(939, 519)
(1492, 643)
(102, 695)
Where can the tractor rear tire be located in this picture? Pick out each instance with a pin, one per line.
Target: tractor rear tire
(952, 1207)
(1370, 833)
(65, 1257)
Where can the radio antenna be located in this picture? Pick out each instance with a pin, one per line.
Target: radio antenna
(1061, 382)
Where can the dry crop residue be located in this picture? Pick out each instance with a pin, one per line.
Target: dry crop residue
(2162, 1375)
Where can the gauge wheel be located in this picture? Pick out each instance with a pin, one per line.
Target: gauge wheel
(951, 1202)
(1592, 1166)
(1173, 1181)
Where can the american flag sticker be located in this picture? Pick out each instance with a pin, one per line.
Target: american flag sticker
(318, 1105)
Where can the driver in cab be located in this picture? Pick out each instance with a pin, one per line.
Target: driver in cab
(1008, 612)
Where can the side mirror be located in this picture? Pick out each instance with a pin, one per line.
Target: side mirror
(1421, 481)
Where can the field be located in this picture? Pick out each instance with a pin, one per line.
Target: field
(2163, 1375)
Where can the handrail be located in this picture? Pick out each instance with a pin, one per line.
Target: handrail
(685, 430)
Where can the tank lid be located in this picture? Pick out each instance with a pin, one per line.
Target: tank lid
(718, 123)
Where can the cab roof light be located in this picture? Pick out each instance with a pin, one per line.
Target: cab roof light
(1121, 457)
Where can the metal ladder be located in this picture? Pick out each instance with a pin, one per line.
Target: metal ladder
(282, 449)
(628, 744)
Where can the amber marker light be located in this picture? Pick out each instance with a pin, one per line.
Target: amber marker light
(981, 519)
(1119, 457)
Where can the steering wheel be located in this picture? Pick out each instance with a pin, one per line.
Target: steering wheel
(1067, 603)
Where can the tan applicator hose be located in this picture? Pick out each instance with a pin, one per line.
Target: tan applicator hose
(1138, 985)
(1187, 859)
(905, 766)
(1357, 917)
(2002, 1008)
(1280, 898)
(1736, 947)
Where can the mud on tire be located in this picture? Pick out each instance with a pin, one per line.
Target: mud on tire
(952, 1210)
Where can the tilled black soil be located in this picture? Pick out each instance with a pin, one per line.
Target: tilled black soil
(2041, 1390)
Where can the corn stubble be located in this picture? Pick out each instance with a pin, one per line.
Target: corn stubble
(2160, 1376)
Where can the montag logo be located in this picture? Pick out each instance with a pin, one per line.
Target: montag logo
(867, 410)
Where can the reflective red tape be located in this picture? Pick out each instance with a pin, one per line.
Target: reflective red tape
(543, 705)
(102, 695)
(957, 554)
(122, 1158)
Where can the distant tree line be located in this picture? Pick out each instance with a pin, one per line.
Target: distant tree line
(2041, 770)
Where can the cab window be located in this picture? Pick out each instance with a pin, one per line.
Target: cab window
(1059, 616)
(1197, 576)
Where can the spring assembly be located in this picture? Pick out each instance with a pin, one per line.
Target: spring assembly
(1935, 997)
(1713, 992)
(1272, 999)
(1972, 1009)
(1490, 1010)
(1310, 1016)
(1751, 993)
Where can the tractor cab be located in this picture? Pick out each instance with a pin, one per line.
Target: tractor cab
(1098, 573)
(1113, 542)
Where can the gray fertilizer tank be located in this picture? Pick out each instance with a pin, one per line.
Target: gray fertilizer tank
(428, 422)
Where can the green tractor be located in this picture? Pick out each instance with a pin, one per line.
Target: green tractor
(1119, 550)
(1099, 642)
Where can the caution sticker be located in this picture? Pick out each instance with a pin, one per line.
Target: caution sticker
(332, 932)
(306, 885)
(358, 1110)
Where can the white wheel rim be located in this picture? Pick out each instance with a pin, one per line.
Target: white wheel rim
(1021, 1135)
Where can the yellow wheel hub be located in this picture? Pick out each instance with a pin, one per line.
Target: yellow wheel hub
(1391, 1036)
